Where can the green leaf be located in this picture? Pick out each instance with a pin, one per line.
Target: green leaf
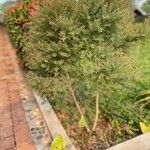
(82, 123)
(144, 127)
(58, 143)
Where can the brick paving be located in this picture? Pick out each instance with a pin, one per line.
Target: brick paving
(14, 128)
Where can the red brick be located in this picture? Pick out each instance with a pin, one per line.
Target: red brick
(18, 114)
(14, 96)
(3, 69)
(4, 95)
(3, 82)
(7, 143)
(17, 104)
(22, 134)
(5, 132)
(14, 130)
(13, 85)
(5, 112)
(5, 123)
(4, 51)
(10, 68)
(4, 102)
(29, 146)
(7, 61)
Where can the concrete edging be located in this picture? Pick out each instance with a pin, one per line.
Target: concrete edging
(52, 121)
(141, 142)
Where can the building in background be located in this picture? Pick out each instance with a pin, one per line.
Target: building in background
(141, 7)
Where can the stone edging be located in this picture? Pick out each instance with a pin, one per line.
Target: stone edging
(52, 121)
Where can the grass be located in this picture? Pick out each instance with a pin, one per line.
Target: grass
(141, 55)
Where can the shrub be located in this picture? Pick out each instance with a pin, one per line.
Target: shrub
(17, 17)
(76, 54)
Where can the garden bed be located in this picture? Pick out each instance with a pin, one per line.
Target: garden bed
(76, 54)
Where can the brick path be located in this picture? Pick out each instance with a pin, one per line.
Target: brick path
(14, 129)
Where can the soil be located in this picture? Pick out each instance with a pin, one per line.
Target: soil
(104, 137)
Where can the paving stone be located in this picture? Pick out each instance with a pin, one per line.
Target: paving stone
(15, 130)
(18, 116)
(5, 132)
(22, 134)
(3, 69)
(5, 112)
(29, 146)
(13, 124)
(14, 96)
(4, 95)
(5, 122)
(7, 143)
(18, 113)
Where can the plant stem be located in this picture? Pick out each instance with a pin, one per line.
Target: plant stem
(96, 102)
(75, 100)
(143, 100)
(97, 112)
(144, 105)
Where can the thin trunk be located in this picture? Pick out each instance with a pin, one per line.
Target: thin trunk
(96, 103)
(97, 112)
(75, 100)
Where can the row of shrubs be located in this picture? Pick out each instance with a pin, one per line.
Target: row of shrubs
(76, 54)
(17, 18)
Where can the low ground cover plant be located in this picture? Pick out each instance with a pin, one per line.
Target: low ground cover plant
(76, 53)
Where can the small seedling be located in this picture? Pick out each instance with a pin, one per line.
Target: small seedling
(82, 122)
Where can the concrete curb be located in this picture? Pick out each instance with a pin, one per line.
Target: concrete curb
(141, 142)
(52, 121)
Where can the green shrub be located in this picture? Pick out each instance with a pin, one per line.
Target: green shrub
(77, 50)
(16, 21)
